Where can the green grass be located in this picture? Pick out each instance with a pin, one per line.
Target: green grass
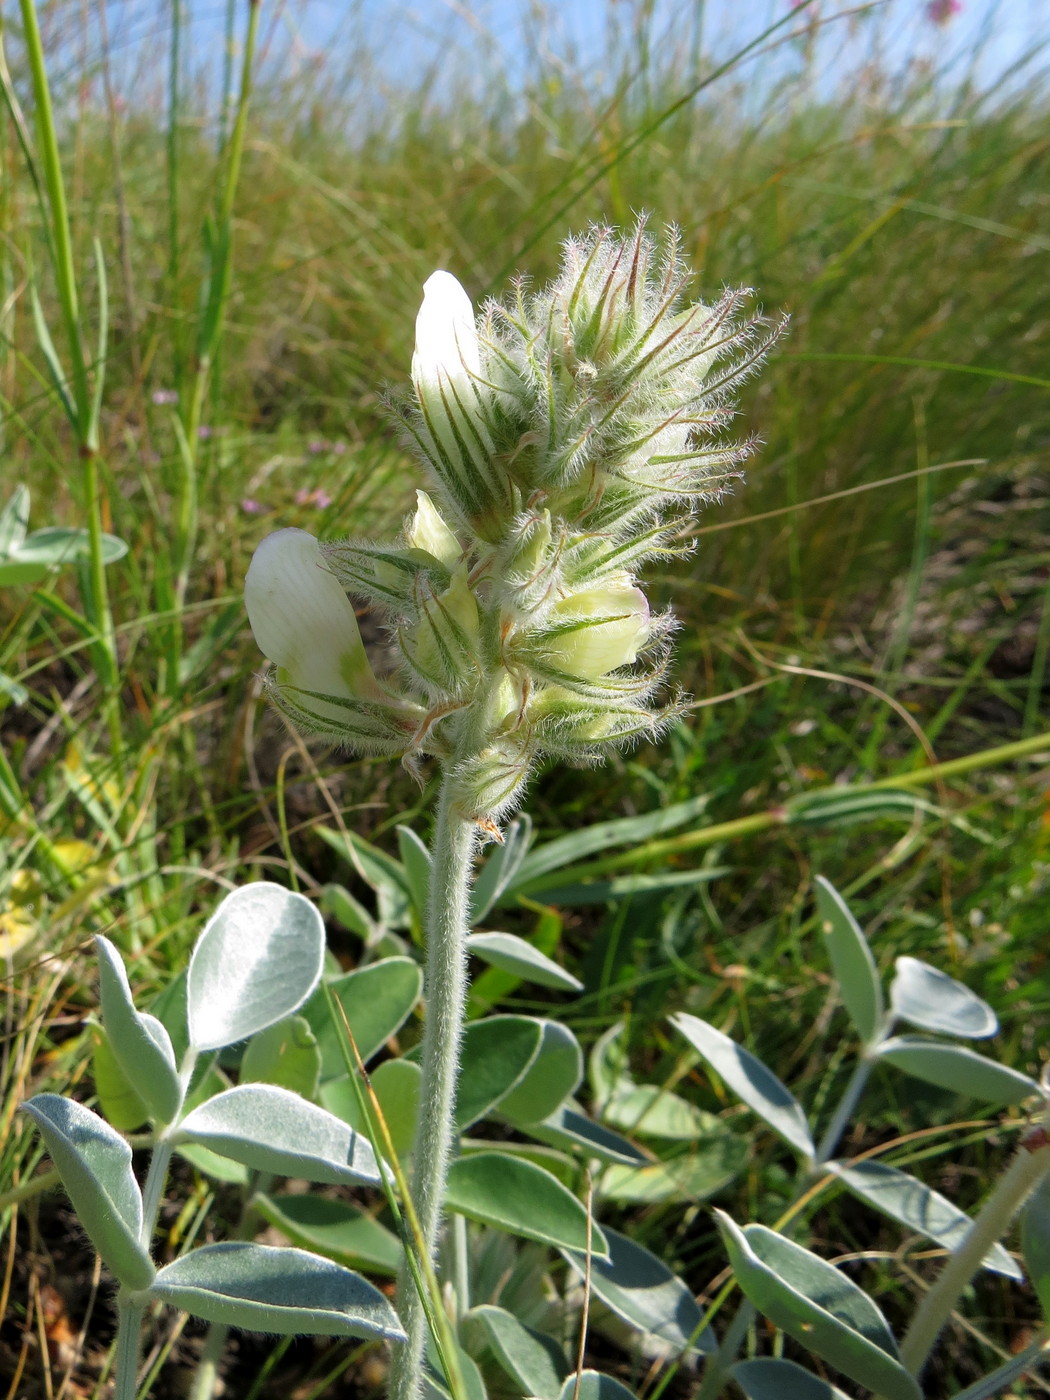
(905, 233)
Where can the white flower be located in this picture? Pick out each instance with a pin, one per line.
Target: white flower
(305, 624)
(447, 349)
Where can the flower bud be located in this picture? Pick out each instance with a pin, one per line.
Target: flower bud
(305, 624)
(454, 403)
(442, 646)
(490, 783)
(597, 630)
(528, 563)
(428, 530)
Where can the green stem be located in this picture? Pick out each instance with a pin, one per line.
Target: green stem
(996, 1381)
(211, 327)
(1012, 1190)
(65, 274)
(86, 417)
(155, 1180)
(446, 991)
(848, 1102)
(129, 1328)
(207, 1372)
(717, 1366)
(35, 1186)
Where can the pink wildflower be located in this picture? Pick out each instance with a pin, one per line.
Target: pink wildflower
(943, 11)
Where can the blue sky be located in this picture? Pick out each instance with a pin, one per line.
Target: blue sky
(407, 38)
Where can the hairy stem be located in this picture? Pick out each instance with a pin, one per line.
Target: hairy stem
(1012, 1190)
(129, 1328)
(446, 990)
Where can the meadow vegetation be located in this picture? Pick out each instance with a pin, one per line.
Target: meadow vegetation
(872, 599)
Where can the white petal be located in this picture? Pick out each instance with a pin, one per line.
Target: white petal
(302, 619)
(446, 336)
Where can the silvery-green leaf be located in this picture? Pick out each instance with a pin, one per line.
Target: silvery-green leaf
(569, 1127)
(693, 1176)
(750, 1080)
(94, 1162)
(257, 961)
(958, 1069)
(642, 1290)
(521, 1198)
(607, 1066)
(377, 1000)
(56, 545)
(498, 871)
(14, 572)
(512, 954)
(817, 1305)
(773, 1378)
(396, 1084)
(918, 1207)
(851, 960)
(121, 1106)
(14, 690)
(1035, 1242)
(595, 1385)
(383, 873)
(338, 904)
(415, 861)
(336, 1229)
(209, 1163)
(550, 1079)
(931, 999)
(533, 1361)
(435, 1385)
(497, 1053)
(14, 520)
(650, 1111)
(284, 1054)
(139, 1042)
(272, 1130)
(264, 1289)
